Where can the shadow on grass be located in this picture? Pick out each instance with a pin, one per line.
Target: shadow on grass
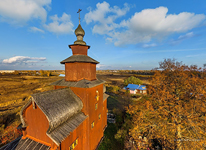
(109, 142)
(112, 103)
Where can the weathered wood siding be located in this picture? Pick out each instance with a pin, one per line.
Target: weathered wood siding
(78, 70)
(79, 49)
(37, 126)
(88, 97)
(81, 134)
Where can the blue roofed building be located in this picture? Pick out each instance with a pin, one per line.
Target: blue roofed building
(135, 89)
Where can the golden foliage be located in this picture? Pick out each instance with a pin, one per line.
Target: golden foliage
(175, 112)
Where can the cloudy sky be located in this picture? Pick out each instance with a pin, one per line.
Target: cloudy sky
(137, 34)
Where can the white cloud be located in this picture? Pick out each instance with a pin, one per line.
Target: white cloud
(20, 11)
(35, 29)
(62, 25)
(143, 26)
(100, 66)
(104, 16)
(103, 67)
(186, 36)
(193, 55)
(23, 59)
(149, 45)
(182, 37)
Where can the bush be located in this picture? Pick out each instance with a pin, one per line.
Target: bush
(132, 80)
(45, 73)
(112, 89)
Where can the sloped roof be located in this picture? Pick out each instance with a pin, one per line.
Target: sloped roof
(62, 108)
(82, 83)
(58, 105)
(63, 131)
(31, 145)
(135, 86)
(79, 58)
(105, 96)
(78, 44)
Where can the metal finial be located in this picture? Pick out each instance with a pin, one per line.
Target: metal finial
(79, 14)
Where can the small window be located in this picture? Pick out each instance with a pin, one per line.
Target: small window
(71, 147)
(92, 125)
(99, 116)
(96, 106)
(74, 144)
(97, 96)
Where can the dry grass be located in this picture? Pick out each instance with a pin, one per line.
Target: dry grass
(15, 91)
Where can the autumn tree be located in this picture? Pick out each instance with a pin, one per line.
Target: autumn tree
(174, 116)
(132, 80)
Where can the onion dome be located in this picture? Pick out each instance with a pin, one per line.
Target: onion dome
(79, 32)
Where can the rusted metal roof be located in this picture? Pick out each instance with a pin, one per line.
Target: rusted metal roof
(28, 144)
(79, 58)
(82, 83)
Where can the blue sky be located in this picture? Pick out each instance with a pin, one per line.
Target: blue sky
(135, 34)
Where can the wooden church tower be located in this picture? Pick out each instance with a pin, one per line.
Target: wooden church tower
(74, 114)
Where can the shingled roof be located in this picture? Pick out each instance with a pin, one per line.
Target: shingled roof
(62, 109)
(63, 131)
(82, 83)
(79, 58)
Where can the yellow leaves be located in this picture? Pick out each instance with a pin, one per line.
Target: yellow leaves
(178, 97)
(141, 114)
(149, 106)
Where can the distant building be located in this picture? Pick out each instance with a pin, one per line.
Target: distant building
(7, 71)
(74, 115)
(61, 75)
(134, 89)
